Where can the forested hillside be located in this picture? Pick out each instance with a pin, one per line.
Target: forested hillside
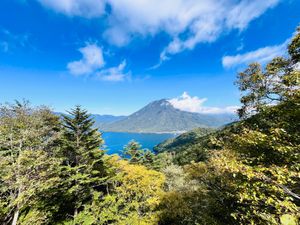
(54, 170)
(179, 143)
(193, 145)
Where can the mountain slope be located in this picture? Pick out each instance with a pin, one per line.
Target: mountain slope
(193, 146)
(161, 116)
(183, 141)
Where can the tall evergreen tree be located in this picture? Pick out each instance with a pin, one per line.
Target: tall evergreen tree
(84, 170)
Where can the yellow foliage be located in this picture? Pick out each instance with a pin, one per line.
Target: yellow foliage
(138, 191)
(288, 220)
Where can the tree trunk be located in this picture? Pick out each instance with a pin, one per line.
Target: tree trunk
(75, 212)
(16, 215)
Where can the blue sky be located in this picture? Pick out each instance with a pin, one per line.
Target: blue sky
(115, 56)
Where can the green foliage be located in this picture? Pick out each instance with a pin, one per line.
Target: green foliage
(193, 146)
(287, 219)
(133, 196)
(81, 140)
(52, 170)
(254, 176)
(29, 140)
(183, 141)
(187, 200)
(277, 82)
(134, 152)
(83, 170)
(136, 155)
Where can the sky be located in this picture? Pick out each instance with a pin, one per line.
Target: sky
(116, 56)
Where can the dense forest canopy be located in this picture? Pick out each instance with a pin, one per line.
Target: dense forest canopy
(55, 171)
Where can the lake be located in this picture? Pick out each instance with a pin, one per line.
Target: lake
(115, 141)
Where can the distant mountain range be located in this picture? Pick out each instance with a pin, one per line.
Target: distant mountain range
(106, 119)
(100, 119)
(161, 117)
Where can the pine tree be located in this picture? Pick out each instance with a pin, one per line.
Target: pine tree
(133, 151)
(84, 168)
(135, 154)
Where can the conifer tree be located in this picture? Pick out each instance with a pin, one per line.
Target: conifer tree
(137, 155)
(82, 156)
(133, 151)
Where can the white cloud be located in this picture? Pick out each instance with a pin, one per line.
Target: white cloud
(92, 63)
(84, 8)
(261, 55)
(194, 104)
(92, 59)
(241, 14)
(114, 73)
(188, 103)
(187, 22)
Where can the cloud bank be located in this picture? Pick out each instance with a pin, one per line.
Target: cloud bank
(186, 22)
(194, 104)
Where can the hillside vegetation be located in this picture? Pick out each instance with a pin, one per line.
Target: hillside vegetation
(182, 141)
(54, 170)
(193, 146)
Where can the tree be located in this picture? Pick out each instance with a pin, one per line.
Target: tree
(257, 171)
(83, 172)
(82, 140)
(136, 155)
(252, 175)
(148, 158)
(133, 197)
(26, 134)
(133, 151)
(279, 81)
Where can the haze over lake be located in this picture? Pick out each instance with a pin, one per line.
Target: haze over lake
(115, 141)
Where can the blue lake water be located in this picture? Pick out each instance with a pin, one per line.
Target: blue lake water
(115, 141)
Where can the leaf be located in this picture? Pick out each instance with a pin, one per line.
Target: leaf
(288, 219)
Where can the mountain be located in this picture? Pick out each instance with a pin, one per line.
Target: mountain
(161, 116)
(103, 119)
(100, 119)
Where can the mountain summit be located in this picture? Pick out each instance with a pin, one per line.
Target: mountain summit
(161, 116)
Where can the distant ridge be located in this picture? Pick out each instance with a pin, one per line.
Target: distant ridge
(161, 117)
(99, 119)
(104, 119)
